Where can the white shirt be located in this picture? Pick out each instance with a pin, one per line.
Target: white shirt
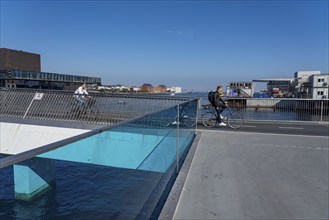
(81, 91)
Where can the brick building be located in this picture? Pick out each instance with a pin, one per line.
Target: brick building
(19, 60)
(19, 69)
(146, 88)
(160, 89)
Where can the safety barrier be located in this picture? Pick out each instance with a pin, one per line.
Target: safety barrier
(101, 108)
(108, 166)
(280, 109)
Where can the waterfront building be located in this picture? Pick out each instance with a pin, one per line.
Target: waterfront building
(280, 87)
(301, 84)
(135, 89)
(318, 84)
(240, 89)
(103, 88)
(113, 88)
(160, 89)
(19, 60)
(146, 87)
(175, 89)
(43, 80)
(19, 69)
(119, 88)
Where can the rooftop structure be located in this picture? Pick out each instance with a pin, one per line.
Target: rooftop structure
(281, 83)
(305, 74)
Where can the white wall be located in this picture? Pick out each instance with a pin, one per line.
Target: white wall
(17, 138)
(319, 86)
(176, 89)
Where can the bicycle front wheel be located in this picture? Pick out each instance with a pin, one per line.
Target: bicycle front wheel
(235, 121)
(209, 119)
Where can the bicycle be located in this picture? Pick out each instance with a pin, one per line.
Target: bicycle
(186, 117)
(233, 120)
(83, 108)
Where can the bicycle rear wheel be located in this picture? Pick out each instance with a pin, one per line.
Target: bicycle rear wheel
(189, 119)
(209, 119)
(166, 119)
(235, 121)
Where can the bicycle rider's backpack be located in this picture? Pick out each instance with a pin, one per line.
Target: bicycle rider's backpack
(211, 97)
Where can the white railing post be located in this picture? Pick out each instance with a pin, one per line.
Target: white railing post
(28, 108)
(321, 117)
(177, 140)
(197, 115)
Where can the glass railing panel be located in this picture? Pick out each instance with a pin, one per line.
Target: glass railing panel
(187, 124)
(126, 146)
(163, 155)
(120, 173)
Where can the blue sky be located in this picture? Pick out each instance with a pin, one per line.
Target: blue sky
(193, 44)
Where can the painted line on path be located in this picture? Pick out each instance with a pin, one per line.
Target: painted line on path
(260, 133)
(291, 128)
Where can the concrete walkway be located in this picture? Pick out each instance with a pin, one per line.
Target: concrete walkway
(256, 176)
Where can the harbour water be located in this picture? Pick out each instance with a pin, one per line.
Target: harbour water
(84, 191)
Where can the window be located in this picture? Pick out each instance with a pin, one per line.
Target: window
(320, 92)
(320, 79)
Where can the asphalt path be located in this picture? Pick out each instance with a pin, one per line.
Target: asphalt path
(295, 128)
(244, 175)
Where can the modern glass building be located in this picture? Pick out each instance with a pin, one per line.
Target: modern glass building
(44, 80)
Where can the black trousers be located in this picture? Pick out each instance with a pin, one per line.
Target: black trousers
(219, 111)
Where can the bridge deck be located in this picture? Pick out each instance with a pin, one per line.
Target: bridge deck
(235, 175)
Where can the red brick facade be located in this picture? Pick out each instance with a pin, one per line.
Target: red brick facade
(19, 60)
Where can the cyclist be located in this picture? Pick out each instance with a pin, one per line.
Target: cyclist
(81, 94)
(219, 104)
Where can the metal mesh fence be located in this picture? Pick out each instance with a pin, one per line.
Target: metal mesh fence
(278, 109)
(99, 108)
